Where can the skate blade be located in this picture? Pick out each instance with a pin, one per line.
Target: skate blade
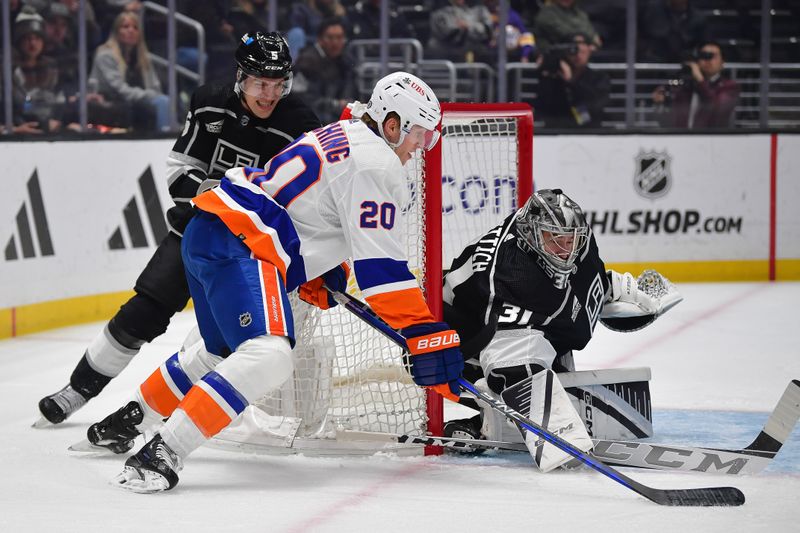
(140, 482)
(42, 423)
(85, 446)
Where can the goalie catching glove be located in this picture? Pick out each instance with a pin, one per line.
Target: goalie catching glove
(633, 303)
(315, 293)
(434, 357)
(625, 291)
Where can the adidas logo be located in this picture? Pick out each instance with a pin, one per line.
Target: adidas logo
(133, 233)
(32, 233)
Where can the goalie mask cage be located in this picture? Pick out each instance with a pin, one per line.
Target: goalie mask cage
(348, 376)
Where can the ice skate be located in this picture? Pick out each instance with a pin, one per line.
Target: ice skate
(117, 431)
(57, 407)
(154, 468)
(465, 428)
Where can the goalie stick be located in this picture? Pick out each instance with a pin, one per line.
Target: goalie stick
(654, 456)
(705, 497)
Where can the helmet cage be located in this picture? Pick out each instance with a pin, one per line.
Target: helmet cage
(545, 225)
(413, 101)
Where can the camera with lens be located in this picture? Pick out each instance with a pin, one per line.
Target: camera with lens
(551, 60)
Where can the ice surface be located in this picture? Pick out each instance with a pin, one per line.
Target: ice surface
(720, 361)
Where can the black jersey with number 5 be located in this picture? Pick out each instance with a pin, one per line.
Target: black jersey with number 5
(220, 134)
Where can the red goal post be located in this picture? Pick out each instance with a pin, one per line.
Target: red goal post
(434, 167)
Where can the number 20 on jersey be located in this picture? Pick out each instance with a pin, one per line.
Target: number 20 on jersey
(374, 214)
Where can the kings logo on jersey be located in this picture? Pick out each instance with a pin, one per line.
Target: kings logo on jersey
(595, 299)
(228, 155)
(653, 177)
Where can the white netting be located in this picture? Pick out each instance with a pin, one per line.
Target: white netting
(349, 377)
(479, 178)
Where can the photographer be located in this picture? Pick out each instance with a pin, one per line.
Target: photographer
(701, 96)
(570, 93)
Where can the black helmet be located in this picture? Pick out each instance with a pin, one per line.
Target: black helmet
(264, 55)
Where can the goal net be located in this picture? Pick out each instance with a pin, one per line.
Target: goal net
(348, 377)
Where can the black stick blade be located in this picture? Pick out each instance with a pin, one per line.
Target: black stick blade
(710, 497)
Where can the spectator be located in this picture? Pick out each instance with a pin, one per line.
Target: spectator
(570, 93)
(305, 18)
(702, 97)
(559, 20)
(460, 32)
(668, 28)
(107, 10)
(126, 77)
(60, 44)
(37, 103)
(325, 75)
(518, 40)
(365, 22)
(94, 33)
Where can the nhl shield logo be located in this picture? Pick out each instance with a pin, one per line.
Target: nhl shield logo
(245, 319)
(653, 177)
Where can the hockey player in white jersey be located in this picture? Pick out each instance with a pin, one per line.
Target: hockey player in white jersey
(331, 196)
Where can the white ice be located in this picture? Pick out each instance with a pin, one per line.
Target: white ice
(727, 348)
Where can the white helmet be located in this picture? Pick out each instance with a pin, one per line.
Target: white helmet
(412, 100)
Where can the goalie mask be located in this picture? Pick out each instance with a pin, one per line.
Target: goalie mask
(412, 100)
(553, 226)
(265, 64)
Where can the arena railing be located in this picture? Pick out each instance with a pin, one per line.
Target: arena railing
(783, 96)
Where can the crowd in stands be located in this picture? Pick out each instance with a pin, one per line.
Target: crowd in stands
(126, 90)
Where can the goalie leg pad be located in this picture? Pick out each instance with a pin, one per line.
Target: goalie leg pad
(495, 425)
(613, 403)
(543, 399)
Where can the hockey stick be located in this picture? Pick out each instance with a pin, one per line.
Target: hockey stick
(750, 460)
(706, 497)
(652, 456)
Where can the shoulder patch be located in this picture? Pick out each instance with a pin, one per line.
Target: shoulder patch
(214, 127)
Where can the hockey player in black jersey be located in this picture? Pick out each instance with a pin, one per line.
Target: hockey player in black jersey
(523, 297)
(232, 125)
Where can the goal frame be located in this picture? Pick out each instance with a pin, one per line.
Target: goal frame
(523, 114)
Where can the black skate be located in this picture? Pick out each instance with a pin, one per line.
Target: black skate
(154, 468)
(57, 407)
(465, 428)
(117, 431)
